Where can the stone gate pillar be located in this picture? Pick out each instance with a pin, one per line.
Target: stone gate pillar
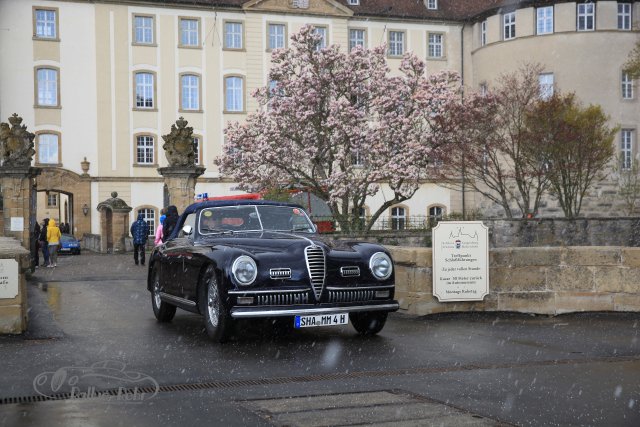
(114, 224)
(17, 180)
(181, 175)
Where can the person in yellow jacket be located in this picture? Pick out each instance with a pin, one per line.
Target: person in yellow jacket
(53, 237)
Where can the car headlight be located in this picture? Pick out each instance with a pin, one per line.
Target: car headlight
(244, 270)
(381, 266)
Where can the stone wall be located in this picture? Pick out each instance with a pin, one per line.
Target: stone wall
(549, 280)
(13, 311)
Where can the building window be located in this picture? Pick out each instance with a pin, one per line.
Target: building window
(509, 25)
(197, 150)
(586, 17)
(483, 33)
(233, 35)
(626, 144)
(436, 45)
(277, 35)
(145, 88)
(546, 85)
(624, 16)
(322, 31)
(149, 216)
(398, 218)
(47, 87)
(145, 150)
(435, 214)
(190, 87)
(357, 159)
(627, 86)
(48, 146)
(143, 29)
(483, 89)
(189, 32)
(396, 43)
(46, 23)
(432, 4)
(356, 38)
(52, 200)
(354, 2)
(544, 20)
(234, 96)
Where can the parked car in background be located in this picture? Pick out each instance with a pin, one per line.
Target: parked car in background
(69, 245)
(236, 259)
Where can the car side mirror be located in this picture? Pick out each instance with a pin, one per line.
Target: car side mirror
(187, 230)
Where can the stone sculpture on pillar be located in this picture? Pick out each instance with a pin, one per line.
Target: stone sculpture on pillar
(16, 144)
(181, 174)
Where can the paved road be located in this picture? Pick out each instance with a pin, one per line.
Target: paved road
(93, 331)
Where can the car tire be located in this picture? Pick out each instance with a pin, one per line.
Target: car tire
(217, 319)
(163, 311)
(368, 323)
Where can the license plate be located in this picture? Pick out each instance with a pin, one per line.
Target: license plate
(65, 250)
(321, 320)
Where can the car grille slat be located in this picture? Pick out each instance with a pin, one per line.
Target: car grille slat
(283, 299)
(314, 256)
(351, 296)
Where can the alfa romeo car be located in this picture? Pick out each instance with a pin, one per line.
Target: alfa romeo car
(239, 259)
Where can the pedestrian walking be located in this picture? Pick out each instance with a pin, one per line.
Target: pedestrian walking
(170, 222)
(158, 238)
(35, 245)
(140, 233)
(43, 242)
(53, 237)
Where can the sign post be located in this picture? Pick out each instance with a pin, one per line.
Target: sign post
(460, 261)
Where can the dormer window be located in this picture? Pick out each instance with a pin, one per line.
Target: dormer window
(432, 4)
(354, 2)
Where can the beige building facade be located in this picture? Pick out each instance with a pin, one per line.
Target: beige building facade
(99, 83)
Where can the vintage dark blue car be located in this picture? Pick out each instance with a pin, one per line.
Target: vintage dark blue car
(237, 259)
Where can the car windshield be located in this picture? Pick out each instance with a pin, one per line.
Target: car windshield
(66, 238)
(254, 218)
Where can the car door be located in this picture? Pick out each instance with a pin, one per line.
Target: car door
(175, 254)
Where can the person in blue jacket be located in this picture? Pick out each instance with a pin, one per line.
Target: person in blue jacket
(140, 233)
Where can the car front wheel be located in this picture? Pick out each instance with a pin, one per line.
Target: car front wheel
(217, 319)
(163, 311)
(368, 323)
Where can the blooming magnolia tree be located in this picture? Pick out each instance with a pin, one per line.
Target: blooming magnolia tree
(339, 125)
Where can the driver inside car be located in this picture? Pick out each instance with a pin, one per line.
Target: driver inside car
(209, 222)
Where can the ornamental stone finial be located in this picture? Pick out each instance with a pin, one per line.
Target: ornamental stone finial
(16, 143)
(178, 145)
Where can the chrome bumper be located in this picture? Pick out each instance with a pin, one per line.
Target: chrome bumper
(280, 311)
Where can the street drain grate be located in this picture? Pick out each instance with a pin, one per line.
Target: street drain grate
(296, 379)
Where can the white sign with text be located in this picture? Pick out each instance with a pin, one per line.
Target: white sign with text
(8, 278)
(460, 261)
(17, 223)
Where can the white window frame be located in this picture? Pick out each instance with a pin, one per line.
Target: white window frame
(323, 34)
(432, 4)
(145, 90)
(357, 37)
(509, 26)
(149, 216)
(544, 20)
(52, 200)
(396, 43)
(435, 42)
(46, 23)
(143, 29)
(47, 87)
(234, 94)
(48, 148)
(190, 84)
(189, 32)
(277, 38)
(398, 218)
(546, 82)
(197, 141)
(586, 17)
(626, 149)
(233, 35)
(624, 16)
(354, 2)
(145, 149)
(626, 83)
(483, 33)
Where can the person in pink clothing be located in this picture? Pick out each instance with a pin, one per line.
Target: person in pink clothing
(158, 238)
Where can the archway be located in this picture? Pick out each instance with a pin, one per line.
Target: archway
(58, 188)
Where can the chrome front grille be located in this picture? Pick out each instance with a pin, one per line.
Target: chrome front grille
(314, 256)
(351, 296)
(280, 273)
(283, 299)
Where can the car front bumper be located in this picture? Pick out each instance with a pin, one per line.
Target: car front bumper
(311, 310)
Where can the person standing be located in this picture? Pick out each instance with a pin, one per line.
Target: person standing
(170, 222)
(140, 233)
(43, 242)
(35, 245)
(53, 237)
(158, 239)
